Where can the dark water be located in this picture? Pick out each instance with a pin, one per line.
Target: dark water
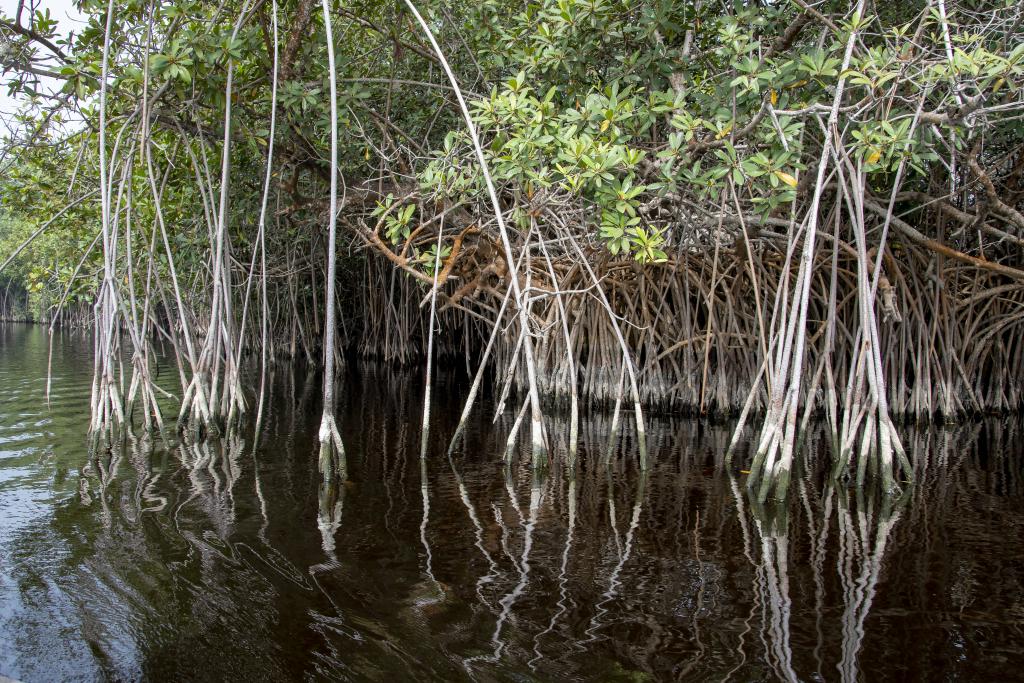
(172, 561)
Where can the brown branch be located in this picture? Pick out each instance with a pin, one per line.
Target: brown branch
(456, 248)
(295, 40)
(940, 203)
(916, 237)
(696, 147)
(785, 41)
(990, 188)
(366, 23)
(819, 16)
(964, 217)
(954, 115)
(32, 35)
(373, 240)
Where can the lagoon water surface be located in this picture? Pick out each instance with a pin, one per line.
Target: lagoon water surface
(164, 559)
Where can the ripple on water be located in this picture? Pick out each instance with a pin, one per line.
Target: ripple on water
(158, 560)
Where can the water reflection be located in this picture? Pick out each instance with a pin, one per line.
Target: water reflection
(614, 579)
(772, 585)
(478, 533)
(331, 503)
(428, 557)
(563, 576)
(528, 525)
(863, 536)
(224, 559)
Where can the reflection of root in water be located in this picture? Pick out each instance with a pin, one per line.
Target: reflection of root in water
(863, 530)
(624, 553)
(213, 470)
(330, 499)
(863, 536)
(103, 463)
(258, 483)
(819, 546)
(141, 450)
(510, 598)
(429, 567)
(563, 576)
(772, 577)
(747, 551)
(330, 504)
(478, 532)
(508, 601)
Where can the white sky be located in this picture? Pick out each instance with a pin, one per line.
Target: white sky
(68, 19)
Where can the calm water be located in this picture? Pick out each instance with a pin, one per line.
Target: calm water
(176, 561)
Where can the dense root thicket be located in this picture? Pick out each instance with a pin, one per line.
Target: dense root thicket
(14, 304)
(952, 337)
(772, 212)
